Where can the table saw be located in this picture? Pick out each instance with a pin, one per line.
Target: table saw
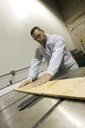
(24, 110)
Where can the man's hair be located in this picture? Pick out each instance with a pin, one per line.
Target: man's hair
(33, 29)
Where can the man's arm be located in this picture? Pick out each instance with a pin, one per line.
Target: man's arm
(35, 64)
(57, 56)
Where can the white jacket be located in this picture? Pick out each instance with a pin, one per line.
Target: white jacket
(56, 55)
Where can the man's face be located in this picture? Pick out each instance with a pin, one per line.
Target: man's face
(39, 36)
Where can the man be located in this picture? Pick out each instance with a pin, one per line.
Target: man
(53, 49)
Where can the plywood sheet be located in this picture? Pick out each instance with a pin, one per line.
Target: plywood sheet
(67, 88)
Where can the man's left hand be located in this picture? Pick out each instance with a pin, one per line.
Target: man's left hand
(42, 80)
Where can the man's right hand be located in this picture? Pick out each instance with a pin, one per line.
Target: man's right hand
(25, 83)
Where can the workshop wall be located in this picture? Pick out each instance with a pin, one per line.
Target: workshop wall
(73, 13)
